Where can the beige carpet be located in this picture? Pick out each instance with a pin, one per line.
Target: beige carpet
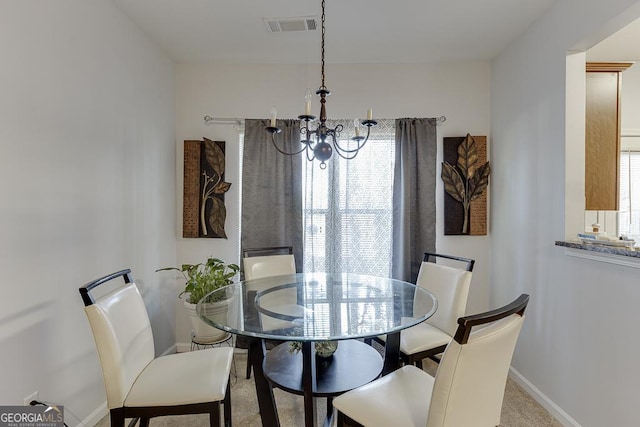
(518, 410)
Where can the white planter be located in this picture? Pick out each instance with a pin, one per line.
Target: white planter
(202, 331)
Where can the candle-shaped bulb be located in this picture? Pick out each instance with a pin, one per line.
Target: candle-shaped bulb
(307, 103)
(274, 113)
(356, 125)
(369, 114)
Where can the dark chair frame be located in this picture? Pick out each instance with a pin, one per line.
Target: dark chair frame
(145, 413)
(267, 251)
(465, 324)
(416, 358)
(254, 252)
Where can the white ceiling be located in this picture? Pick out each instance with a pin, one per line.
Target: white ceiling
(357, 31)
(621, 46)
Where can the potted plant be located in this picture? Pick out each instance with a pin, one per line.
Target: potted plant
(200, 280)
(323, 348)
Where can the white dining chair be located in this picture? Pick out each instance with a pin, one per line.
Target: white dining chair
(450, 284)
(138, 385)
(256, 267)
(468, 388)
(267, 262)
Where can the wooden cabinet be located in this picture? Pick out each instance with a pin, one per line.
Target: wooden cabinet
(602, 136)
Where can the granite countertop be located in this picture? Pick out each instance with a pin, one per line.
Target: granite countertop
(611, 250)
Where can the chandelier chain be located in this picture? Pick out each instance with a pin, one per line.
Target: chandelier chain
(320, 143)
(322, 46)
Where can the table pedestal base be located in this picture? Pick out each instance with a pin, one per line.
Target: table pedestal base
(352, 365)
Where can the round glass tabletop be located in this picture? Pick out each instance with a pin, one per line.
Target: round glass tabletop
(317, 307)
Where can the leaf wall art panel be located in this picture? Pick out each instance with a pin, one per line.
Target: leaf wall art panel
(204, 212)
(465, 173)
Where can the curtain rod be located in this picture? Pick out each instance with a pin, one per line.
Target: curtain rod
(239, 122)
(222, 121)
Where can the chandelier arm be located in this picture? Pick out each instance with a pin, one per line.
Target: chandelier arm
(346, 156)
(354, 150)
(307, 134)
(273, 140)
(310, 154)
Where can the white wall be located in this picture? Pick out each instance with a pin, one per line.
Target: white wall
(630, 120)
(459, 91)
(574, 150)
(87, 180)
(577, 347)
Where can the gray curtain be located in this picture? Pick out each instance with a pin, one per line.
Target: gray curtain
(414, 203)
(272, 188)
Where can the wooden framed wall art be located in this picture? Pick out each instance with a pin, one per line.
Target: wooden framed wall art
(204, 212)
(465, 173)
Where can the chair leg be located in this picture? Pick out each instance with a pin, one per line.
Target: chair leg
(214, 415)
(344, 421)
(248, 374)
(144, 422)
(418, 363)
(117, 417)
(227, 405)
(435, 358)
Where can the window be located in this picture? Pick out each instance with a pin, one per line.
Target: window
(348, 207)
(629, 214)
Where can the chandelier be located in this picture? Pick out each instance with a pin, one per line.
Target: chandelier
(314, 141)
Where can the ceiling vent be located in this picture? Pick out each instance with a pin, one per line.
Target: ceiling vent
(279, 25)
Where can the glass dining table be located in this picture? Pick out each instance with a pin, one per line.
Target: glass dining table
(310, 312)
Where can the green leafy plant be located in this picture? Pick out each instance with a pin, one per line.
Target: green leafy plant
(295, 346)
(467, 180)
(203, 278)
(322, 347)
(325, 348)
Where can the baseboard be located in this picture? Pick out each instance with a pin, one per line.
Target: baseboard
(182, 347)
(560, 415)
(170, 350)
(95, 417)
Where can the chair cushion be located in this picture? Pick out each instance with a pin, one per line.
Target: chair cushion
(398, 399)
(269, 265)
(269, 323)
(124, 339)
(183, 378)
(422, 337)
(451, 287)
(471, 378)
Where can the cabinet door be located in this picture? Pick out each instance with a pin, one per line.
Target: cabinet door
(602, 136)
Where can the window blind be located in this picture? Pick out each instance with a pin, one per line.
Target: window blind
(348, 207)
(629, 214)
